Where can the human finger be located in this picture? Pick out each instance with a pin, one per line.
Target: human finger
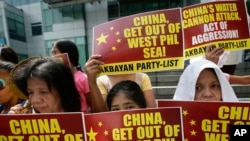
(17, 109)
(217, 51)
(210, 47)
(96, 56)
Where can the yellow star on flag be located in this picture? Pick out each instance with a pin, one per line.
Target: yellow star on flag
(193, 133)
(185, 112)
(92, 135)
(102, 39)
(100, 124)
(113, 48)
(192, 122)
(106, 132)
(118, 40)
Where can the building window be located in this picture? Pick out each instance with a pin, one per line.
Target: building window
(36, 29)
(57, 15)
(113, 9)
(61, 15)
(16, 30)
(117, 8)
(1, 24)
(21, 2)
(15, 26)
(67, 14)
(47, 18)
(78, 12)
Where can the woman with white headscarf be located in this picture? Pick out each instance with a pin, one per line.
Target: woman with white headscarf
(203, 80)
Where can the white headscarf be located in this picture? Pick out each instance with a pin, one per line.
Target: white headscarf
(186, 87)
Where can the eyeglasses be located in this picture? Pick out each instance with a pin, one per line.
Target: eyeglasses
(2, 84)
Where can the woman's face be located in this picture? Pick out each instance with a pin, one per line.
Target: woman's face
(42, 99)
(208, 87)
(6, 96)
(55, 50)
(122, 102)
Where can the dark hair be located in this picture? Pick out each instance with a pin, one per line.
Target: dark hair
(6, 65)
(131, 89)
(212, 70)
(67, 46)
(55, 74)
(8, 54)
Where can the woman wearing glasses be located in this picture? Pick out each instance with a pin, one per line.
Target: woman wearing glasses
(7, 97)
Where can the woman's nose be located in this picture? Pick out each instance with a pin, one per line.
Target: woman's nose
(207, 92)
(35, 98)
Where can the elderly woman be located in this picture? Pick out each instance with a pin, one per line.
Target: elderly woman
(48, 84)
(203, 80)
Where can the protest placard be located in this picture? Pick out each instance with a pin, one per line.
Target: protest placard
(140, 43)
(210, 121)
(64, 58)
(163, 124)
(223, 23)
(42, 127)
(163, 39)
